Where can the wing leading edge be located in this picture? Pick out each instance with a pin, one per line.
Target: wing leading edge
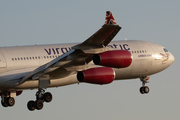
(80, 54)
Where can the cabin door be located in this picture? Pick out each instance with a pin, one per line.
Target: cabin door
(2, 61)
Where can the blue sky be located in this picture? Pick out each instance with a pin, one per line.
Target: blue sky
(61, 21)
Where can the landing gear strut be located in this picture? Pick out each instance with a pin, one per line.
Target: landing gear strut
(41, 96)
(144, 89)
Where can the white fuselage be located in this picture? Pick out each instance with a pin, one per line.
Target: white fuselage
(15, 62)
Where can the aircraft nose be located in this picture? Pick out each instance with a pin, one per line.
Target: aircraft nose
(171, 58)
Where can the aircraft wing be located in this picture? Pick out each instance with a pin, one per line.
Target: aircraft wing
(80, 55)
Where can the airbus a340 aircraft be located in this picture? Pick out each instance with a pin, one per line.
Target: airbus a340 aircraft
(97, 60)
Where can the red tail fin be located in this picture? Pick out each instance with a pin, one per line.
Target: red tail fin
(109, 18)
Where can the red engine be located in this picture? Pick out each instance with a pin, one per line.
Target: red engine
(114, 58)
(101, 75)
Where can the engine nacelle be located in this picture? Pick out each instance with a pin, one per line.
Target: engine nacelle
(114, 58)
(100, 75)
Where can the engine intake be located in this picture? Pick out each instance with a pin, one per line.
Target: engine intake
(114, 58)
(101, 75)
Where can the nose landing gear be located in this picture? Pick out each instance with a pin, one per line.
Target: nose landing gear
(144, 89)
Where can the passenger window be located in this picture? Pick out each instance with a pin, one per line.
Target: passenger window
(13, 59)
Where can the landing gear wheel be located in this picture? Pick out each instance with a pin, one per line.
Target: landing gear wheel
(146, 89)
(31, 105)
(47, 97)
(4, 104)
(141, 90)
(10, 101)
(38, 104)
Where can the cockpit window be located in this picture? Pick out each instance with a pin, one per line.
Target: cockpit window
(165, 50)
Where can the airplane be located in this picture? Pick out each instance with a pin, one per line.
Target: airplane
(97, 60)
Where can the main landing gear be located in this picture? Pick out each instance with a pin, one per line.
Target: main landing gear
(7, 100)
(144, 89)
(41, 96)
